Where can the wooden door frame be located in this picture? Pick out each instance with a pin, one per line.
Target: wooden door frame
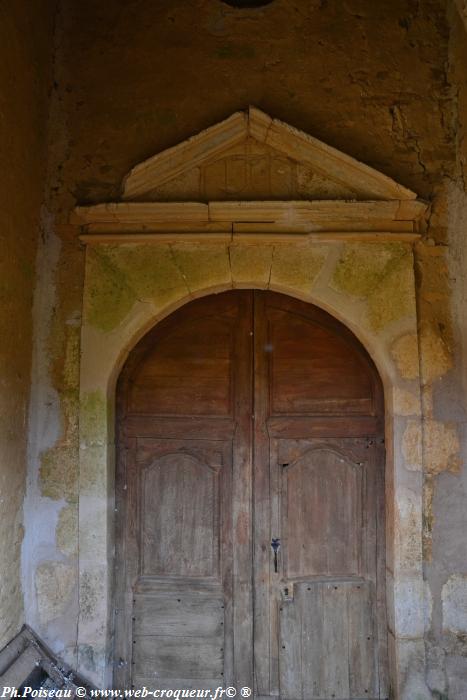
(102, 357)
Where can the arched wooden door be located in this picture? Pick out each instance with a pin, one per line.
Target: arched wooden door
(250, 504)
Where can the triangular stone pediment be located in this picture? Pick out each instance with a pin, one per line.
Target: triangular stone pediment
(251, 156)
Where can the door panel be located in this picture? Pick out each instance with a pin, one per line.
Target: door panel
(179, 615)
(197, 657)
(327, 641)
(313, 370)
(199, 615)
(242, 418)
(179, 517)
(185, 374)
(321, 514)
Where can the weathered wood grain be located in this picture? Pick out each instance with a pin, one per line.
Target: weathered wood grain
(327, 647)
(243, 417)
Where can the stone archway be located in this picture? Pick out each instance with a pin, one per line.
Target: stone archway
(144, 260)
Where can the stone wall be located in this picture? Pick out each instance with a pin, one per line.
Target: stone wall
(445, 401)
(26, 31)
(383, 82)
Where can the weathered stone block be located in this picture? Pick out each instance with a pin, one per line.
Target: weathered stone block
(381, 273)
(58, 474)
(93, 418)
(296, 269)
(251, 265)
(441, 447)
(67, 530)
(405, 403)
(203, 266)
(54, 584)
(454, 597)
(108, 296)
(93, 470)
(412, 445)
(435, 356)
(150, 271)
(404, 350)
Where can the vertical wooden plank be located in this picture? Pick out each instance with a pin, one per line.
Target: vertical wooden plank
(377, 463)
(226, 558)
(264, 521)
(310, 599)
(362, 660)
(242, 497)
(290, 651)
(335, 640)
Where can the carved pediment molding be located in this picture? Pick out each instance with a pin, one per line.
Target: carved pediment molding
(313, 158)
(162, 221)
(166, 196)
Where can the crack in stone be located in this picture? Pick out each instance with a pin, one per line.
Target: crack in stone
(230, 265)
(271, 264)
(175, 262)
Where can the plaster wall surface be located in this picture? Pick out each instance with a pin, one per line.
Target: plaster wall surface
(383, 82)
(446, 568)
(26, 31)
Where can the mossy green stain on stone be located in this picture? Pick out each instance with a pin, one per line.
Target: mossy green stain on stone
(93, 470)
(150, 271)
(71, 360)
(251, 264)
(58, 464)
(57, 476)
(118, 276)
(380, 273)
(362, 266)
(203, 266)
(296, 268)
(109, 297)
(394, 297)
(93, 417)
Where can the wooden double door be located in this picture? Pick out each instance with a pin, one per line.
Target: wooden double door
(250, 504)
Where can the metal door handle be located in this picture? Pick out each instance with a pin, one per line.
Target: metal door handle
(275, 544)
